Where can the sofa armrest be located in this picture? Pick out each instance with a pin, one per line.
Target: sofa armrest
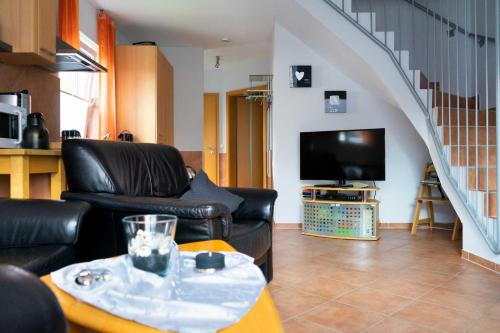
(27, 223)
(258, 204)
(185, 210)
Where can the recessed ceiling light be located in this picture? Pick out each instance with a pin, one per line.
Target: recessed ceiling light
(225, 40)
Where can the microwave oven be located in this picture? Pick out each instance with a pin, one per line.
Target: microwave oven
(12, 122)
(14, 109)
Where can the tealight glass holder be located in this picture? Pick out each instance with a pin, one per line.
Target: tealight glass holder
(150, 241)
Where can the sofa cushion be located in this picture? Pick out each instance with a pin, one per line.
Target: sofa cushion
(39, 260)
(202, 188)
(133, 169)
(252, 238)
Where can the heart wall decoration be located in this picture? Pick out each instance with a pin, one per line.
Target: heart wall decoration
(300, 76)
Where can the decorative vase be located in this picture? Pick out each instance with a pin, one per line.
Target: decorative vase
(35, 135)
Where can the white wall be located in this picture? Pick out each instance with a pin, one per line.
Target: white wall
(231, 75)
(88, 19)
(88, 22)
(188, 96)
(296, 110)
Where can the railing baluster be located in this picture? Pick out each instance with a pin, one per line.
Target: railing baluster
(414, 54)
(400, 32)
(466, 36)
(449, 83)
(427, 61)
(371, 18)
(497, 53)
(459, 148)
(487, 204)
(475, 99)
(385, 23)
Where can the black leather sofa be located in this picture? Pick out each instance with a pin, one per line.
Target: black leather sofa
(120, 179)
(27, 304)
(40, 235)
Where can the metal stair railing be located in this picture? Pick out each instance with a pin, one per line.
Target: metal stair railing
(448, 55)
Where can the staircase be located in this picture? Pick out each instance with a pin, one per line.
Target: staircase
(462, 124)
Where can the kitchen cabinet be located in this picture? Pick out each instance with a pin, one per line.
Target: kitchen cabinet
(30, 27)
(144, 94)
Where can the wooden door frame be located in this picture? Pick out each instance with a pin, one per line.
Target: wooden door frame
(229, 155)
(217, 134)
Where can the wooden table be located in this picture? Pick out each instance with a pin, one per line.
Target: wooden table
(21, 163)
(82, 317)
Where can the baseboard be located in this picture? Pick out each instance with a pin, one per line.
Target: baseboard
(386, 226)
(484, 263)
(407, 226)
(288, 226)
(399, 226)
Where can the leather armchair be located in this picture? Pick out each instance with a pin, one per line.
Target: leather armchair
(120, 179)
(40, 235)
(27, 304)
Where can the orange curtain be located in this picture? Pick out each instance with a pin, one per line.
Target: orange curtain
(106, 35)
(69, 25)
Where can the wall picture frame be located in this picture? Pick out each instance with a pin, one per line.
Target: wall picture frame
(300, 76)
(335, 101)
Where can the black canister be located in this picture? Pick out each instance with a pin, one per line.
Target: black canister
(126, 136)
(35, 135)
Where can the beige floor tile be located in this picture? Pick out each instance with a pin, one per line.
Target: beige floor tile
(304, 326)
(400, 287)
(425, 277)
(353, 276)
(373, 300)
(394, 325)
(494, 311)
(343, 317)
(435, 316)
(459, 301)
(291, 302)
(486, 325)
(325, 287)
(311, 272)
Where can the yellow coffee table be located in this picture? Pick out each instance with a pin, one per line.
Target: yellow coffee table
(83, 317)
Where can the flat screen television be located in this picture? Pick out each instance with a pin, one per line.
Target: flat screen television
(343, 155)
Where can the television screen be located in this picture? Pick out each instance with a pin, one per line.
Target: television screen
(343, 155)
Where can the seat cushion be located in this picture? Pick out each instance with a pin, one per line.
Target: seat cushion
(39, 260)
(252, 238)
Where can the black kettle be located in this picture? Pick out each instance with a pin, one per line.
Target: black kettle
(35, 135)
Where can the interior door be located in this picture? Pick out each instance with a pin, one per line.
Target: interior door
(210, 136)
(249, 143)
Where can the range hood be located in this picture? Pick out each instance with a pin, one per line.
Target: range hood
(69, 59)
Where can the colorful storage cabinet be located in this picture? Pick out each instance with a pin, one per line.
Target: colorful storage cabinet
(347, 219)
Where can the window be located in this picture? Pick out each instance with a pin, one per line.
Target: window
(79, 91)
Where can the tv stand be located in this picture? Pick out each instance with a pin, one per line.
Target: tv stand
(352, 214)
(337, 185)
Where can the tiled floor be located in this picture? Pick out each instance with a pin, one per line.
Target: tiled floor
(398, 284)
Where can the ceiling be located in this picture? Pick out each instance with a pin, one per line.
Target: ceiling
(198, 23)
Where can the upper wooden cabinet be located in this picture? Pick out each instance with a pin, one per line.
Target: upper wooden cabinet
(144, 94)
(30, 27)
